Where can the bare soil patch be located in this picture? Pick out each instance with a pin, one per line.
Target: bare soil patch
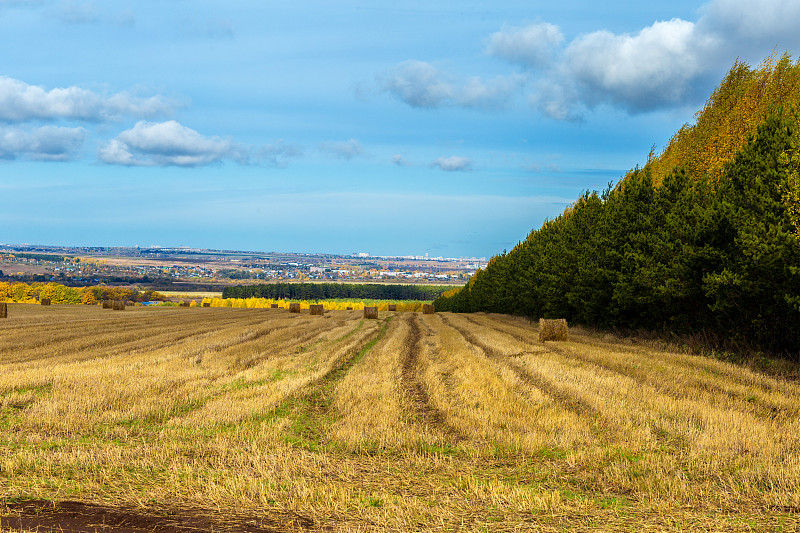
(77, 517)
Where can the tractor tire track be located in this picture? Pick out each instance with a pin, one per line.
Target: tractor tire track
(424, 410)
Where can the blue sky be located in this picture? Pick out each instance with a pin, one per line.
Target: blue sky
(448, 128)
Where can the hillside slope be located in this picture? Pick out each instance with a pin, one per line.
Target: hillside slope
(702, 239)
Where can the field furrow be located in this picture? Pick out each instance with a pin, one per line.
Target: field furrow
(535, 377)
(416, 392)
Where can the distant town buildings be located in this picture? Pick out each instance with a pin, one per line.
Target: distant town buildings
(188, 265)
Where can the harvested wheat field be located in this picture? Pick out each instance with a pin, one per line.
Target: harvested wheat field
(176, 419)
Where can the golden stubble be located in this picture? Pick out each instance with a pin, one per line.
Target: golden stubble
(410, 422)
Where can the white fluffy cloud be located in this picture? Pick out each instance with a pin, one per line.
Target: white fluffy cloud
(167, 144)
(21, 102)
(656, 67)
(532, 46)
(47, 143)
(650, 69)
(420, 84)
(417, 83)
(753, 22)
(667, 64)
(453, 163)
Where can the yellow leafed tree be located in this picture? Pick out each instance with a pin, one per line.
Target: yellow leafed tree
(732, 113)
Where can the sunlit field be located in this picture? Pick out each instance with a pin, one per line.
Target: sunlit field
(410, 422)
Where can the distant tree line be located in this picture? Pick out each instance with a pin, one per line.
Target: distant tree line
(61, 294)
(72, 279)
(41, 257)
(692, 254)
(330, 291)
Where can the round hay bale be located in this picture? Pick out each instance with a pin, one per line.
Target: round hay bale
(294, 307)
(206, 304)
(118, 305)
(108, 304)
(349, 308)
(3, 310)
(553, 330)
(392, 307)
(45, 301)
(428, 309)
(273, 306)
(317, 309)
(371, 312)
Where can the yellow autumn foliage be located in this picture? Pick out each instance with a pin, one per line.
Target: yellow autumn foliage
(732, 113)
(328, 305)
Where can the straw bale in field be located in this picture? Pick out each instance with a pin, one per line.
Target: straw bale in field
(3, 310)
(118, 305)
(206, 304)
(392, 307)
(428, 309)
(184, 304)
(45, 301)
(317, 309)
(273, 306)
(349, 308)
(371, 312)
(294, 307)
(108, 304)
(553, 330)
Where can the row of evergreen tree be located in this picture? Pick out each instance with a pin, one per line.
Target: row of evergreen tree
(332, 291)
(688, 255)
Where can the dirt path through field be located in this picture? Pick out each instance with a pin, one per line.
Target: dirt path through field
(424, 409)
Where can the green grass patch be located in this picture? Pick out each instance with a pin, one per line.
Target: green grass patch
(552, 452)
(311, 411)
(373, 501)
(39, 391)
(613, 502)
(439, 448)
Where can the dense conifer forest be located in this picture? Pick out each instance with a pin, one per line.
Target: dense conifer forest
(702, 239)
(332, 291)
